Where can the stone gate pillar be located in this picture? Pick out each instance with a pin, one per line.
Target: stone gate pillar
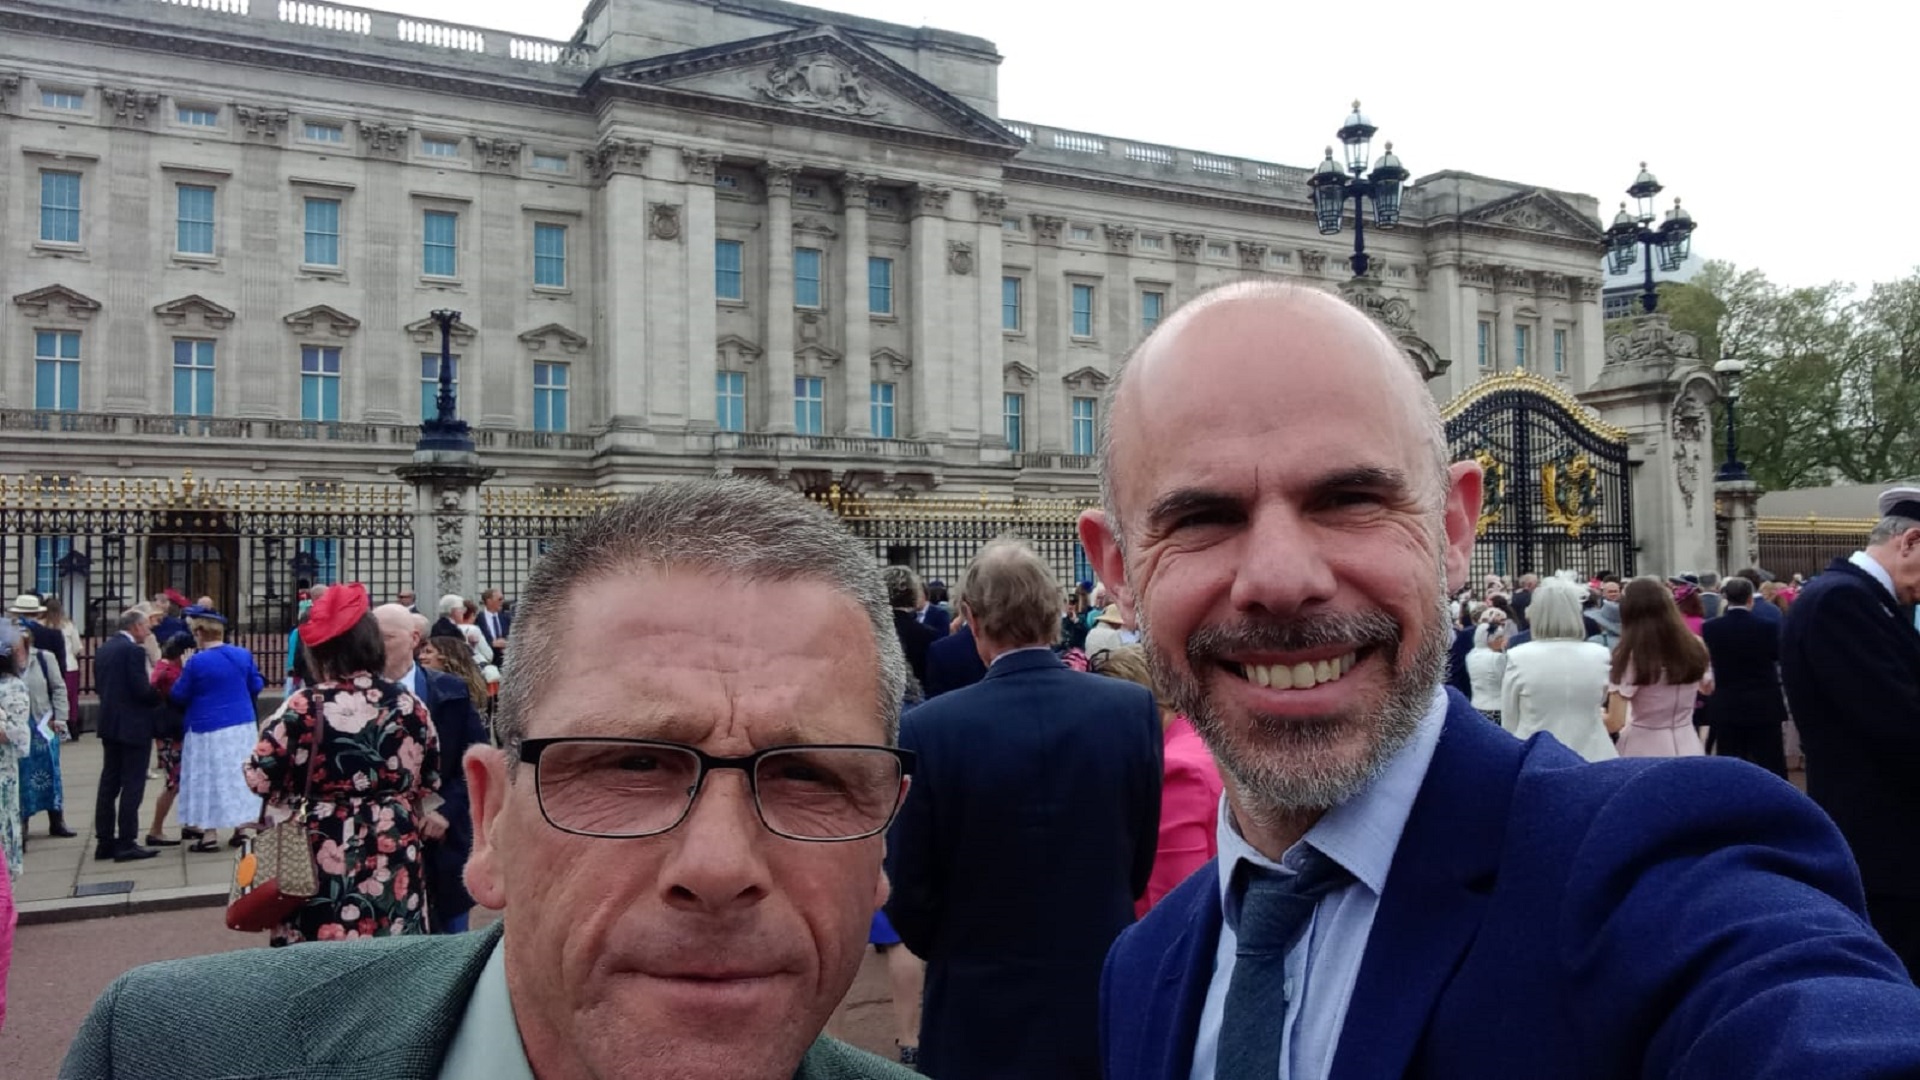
(1739, 499)
(446, 523)
(1656, 387)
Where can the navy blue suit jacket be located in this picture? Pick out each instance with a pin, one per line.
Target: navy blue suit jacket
(129, 705)
(1028, 832)
(936, 619)
(1745, 650)
(1677, 918)
(1850, 660)
(458, 724)
(953, 662)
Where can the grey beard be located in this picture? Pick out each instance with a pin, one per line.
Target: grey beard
(1289, 775)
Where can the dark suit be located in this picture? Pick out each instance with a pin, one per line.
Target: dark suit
(1028, 833)
(1850, 661)
(447, 628)
(386, 1008)
(459, 726)
(953, 662)
(129, 710)
(915, 638)
(1689, 919)
(497, 626)
(935, 618)
(1457, 660)
(48, 640)
(1746, 710)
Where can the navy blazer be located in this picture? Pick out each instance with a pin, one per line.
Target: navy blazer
(1850, 660)
(1679, 918)
(935, 618)
(1745, 650)
(1028, 832)
(129, 705)
(953, 662)
(458, 725)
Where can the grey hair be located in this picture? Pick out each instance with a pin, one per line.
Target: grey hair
(1554, 614)
(1232, 291)
(451, 603)
(742, 530)
(131, 618)
(1891, 527)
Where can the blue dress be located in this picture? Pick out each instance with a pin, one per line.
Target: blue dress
(40, 787)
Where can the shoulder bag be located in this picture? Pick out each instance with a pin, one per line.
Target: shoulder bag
(275, 874)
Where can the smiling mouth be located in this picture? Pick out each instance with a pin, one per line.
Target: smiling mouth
(1304, 675)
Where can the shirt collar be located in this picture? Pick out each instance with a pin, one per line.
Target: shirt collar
(1023, 649)
(1874, 570)
(1362, 833)
(412, 678)
(487, 1043)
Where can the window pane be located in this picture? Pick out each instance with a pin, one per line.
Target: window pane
(880, 409)
(196, 117)
(60, 207)
(332, 133)
(1012, 407)
(195, 229)
(806, 277)
(439, 254)
(727, 283)
(550, 162)
(1009, 303)
(1150, 303)
(809, 405)
(1485, 332)
(1083, 425)
(730, 400)
(1559, 350)
(550, 255)
(1083, 311)
(1520, 338)
(880, 286)
(430, 384)
(322, 233)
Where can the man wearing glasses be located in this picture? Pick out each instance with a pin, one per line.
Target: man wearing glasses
(683, 827)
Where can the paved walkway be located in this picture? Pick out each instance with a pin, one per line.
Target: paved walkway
(63, 881)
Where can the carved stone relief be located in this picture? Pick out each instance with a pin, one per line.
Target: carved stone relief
(617, 155)
(131, 106)
(821, 82)
(1512, 278)
(663, 220)
(1479, 275)
(1047, 227)
(1312, 260)
(1689, 435)
(991, 204)
(1187, 245)
(1394, 312)
(1119, 238)
(700, 164)
(449, 544)
(260, 123)
(9, 86)
(1253, 254)
(383, 140)
(500, 155)
(930, 199)
(960, 257)
(1652, 339)
(778, 176)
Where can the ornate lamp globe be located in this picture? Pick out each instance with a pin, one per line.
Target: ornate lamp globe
(1676, 234)
(1329, 184)
(1623, 241)
(1644, 188)
(1388, 178)
(1357, 136)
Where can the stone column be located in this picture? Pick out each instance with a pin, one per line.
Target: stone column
(446, 520)
(1740, 500)
(703, 319)
(928, 399)
(630, 229)
(1509, 281)
(255, 209)
(1442, 318)
(779, 340)
(129, 366)
(858, 333)
(1589, 331)
(389, 372)
(982, 372)
(1048, 402)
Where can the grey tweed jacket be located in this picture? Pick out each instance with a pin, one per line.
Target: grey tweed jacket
(376, 1010)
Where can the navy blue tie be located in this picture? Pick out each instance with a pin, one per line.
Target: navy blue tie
(1273, 910)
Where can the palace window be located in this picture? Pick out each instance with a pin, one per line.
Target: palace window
(193, 229)
(314, 131)
(1486, 336)
(59, 207)
(1522, 337)
(323, 556)
(1152, 301)
(1012, 225)
(549, 397)
(56, 370)
(430, 384)
(1084, 411)
(550, 256)
(880, 409)
(48, 551)
(1013, 408)
(1010, 303)
(880, 286)
(63, 99)
(1153, 242)
(1083, 311)
(806, 277)
(1559, 352)
(440, 244)
(196, 116)
(433, 147)
(554, 163)
(192, 377)
(1219, 249)
(1080, 233)
(730, 400)
(319, 383)
(322, 246)
(809, 405)
(728, 282)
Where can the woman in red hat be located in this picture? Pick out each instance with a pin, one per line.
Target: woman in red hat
(377, 759)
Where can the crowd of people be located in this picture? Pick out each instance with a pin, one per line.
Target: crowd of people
(1248, 830)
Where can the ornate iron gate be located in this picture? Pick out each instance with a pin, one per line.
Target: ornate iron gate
(1558, 493)
(939, 535)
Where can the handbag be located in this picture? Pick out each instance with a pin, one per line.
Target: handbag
(275, 874)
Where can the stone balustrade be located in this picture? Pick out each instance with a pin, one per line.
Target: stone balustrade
(1104, 153)
(382, 26)
(133, 425)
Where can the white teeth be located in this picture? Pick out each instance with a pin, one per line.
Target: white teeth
(1299, 676)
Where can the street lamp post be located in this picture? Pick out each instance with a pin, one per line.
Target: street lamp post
(445, 431)
(1633, 230)
(1730, 370)
(1333, 184)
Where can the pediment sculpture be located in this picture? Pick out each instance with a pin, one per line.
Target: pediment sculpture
(821, 81)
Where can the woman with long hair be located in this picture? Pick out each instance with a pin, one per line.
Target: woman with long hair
(378, 760)
(1658, 669)
(452, 656)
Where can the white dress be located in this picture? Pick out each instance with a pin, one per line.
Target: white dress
(1559, 687)
(1485, 668)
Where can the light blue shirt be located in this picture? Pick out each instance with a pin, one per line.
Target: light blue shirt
(1361, 835)
(487, 1046)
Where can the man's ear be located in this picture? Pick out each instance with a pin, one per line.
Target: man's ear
(487, 788)
(1100, 536)
(1462, 509)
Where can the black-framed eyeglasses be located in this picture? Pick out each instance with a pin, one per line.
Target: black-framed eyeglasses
(624, 789)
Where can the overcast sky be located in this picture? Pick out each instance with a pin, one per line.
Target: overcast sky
(1758, 121)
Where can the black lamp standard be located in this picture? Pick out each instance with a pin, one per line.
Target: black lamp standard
(1730, 370)
(1333, 184)
(1632, 231)
(445, 431)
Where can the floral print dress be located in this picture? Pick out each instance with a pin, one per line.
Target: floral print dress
(16, 738)
(378, 754)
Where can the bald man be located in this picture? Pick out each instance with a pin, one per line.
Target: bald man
(1403, 889)
(448, 827)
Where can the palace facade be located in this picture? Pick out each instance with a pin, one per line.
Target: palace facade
(701, 236)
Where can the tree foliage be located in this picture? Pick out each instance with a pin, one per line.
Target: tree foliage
(1831, 392)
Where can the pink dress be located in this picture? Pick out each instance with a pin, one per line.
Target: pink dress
(1659, 719)
(1189, 813)
(6, 938)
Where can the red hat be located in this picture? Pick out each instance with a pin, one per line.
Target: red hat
(336, 612)
(179, 597)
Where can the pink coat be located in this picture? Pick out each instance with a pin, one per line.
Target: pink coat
(6, 938)
(1189, 812)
